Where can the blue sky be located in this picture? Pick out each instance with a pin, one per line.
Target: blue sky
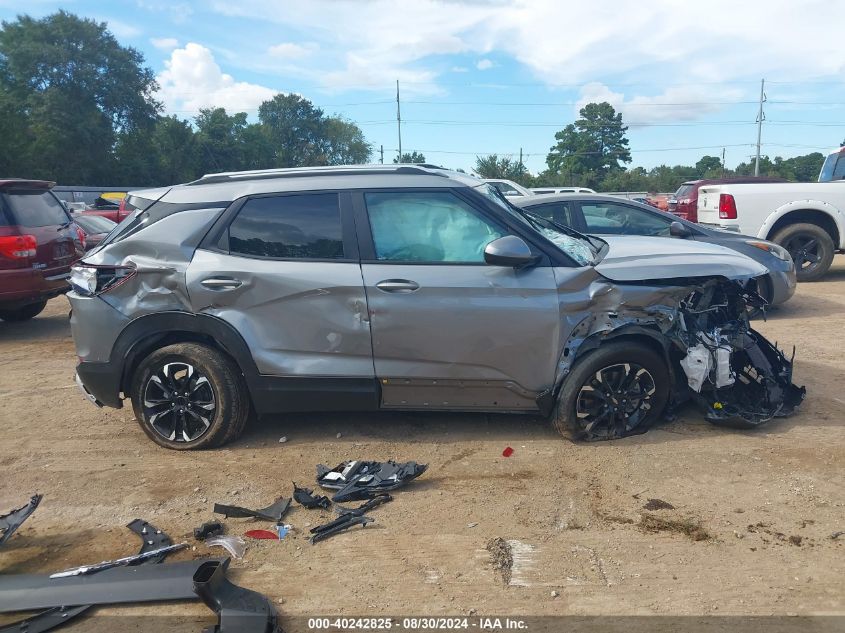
(485, 76)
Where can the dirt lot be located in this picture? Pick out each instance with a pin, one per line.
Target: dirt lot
(763, 504)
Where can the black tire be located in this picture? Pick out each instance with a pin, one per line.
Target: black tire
(213, 408)
(25, 313)
(641, 405)
(811, 248)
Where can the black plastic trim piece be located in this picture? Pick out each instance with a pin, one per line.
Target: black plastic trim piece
(239, 610)
(10, 522)
(120, 585)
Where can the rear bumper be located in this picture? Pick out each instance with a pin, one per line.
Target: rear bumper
(26, 285)
(100, 382)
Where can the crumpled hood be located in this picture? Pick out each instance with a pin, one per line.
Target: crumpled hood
(636, 258)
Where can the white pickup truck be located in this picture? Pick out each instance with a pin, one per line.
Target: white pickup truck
(806, 218)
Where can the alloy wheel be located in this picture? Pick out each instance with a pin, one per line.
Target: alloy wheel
(615, 400)
(805, 250)
(179, 402)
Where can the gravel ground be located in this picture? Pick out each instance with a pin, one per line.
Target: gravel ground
(686, 519)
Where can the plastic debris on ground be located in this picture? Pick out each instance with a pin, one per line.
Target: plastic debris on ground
(348, 518)
(207, 529)
(14, 519)
(235, 545)
(305, 497)
(356, 480)
(507, 452)
(266, 535)
(273, 512)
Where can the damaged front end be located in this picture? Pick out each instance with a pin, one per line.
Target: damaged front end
(701, 325)
(738, 377)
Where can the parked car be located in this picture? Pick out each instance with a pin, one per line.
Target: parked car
(606, 215)
(38, 243)
(95, 228)
(402, 288)
(684, 202)
(103, 201)
(509, 188)
(806, 218)
(550, 190)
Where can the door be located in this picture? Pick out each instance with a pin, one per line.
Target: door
(285, 273)
(611, 218)
(450, 331)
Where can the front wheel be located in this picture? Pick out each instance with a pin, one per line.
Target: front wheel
(618, 390)
(811, 248)
(189, 396)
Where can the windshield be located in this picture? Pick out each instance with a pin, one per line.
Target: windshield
(585, 250)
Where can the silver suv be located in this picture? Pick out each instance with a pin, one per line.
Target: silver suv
(406, 287)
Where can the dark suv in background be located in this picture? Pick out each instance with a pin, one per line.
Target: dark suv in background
(38, 244)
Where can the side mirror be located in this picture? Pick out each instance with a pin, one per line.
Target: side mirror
(676, 229)
(509, 251)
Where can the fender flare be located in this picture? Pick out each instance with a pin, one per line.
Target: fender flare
(805, 205)
(129, 343)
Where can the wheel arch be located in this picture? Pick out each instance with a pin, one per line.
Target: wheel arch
(821, 214)
(148, 333)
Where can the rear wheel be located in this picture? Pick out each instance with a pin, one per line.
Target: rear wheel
(618, 390)
(189, 396)
(811, 248)
(23, 314)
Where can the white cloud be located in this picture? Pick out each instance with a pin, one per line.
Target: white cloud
(192, 80)
(179, 12)
(164, 43)
(484, 64)
(459, 69)
(121, 30)
(290, 50)
(661, 44)
(678, 103)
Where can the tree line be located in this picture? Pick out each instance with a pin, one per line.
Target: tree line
(79, 108)
(591, 152)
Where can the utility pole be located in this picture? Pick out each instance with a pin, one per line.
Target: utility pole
(760, 118)
(399, 120)
(381, 153)
(723, 161)
(520, 158)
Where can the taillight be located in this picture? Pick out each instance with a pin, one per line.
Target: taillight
(18, 246)
(81, 235)
(727, 207)
(90, 281)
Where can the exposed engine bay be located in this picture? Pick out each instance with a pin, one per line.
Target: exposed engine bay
(732, 370)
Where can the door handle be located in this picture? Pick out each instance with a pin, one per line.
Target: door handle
(402, 286)
(222, 283)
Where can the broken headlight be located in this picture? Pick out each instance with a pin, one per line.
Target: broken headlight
(89, 281)
(778, 251)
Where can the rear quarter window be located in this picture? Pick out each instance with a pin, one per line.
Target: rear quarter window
(34, 208)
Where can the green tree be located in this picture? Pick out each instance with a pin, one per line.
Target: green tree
(220, 140)
(408, 158)
(592, 147)
(71, 89)
(491, 166)
(300, 134)
(709, 167)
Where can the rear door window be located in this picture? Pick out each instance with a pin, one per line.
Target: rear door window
(620, 219)
(560, 212)
(35, 208)
(304, 226)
